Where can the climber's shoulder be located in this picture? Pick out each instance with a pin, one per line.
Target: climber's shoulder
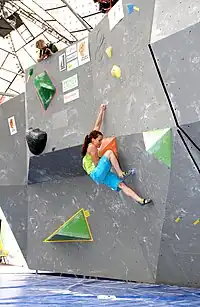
(91, 148)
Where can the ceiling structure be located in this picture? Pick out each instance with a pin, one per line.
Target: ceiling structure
(23, 22)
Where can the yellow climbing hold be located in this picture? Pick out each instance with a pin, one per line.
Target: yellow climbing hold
(109, 52)
(196, 222)
(86, 213)
(136, 8)
(116, 71)
(178, 219)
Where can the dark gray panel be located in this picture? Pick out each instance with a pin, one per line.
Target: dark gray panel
(56, 165)
(65, 124)
(137, 96)
(178, 60)
(118, 224)
(192, 150)
(172, 16)
(14, 204)
(13, 167)
(180, 251)
(193, 131)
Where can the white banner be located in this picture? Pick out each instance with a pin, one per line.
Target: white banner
(115, 14)
(71, 96)
(70, 83)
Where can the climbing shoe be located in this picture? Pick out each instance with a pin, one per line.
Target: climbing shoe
(128, 173)
(145, 201)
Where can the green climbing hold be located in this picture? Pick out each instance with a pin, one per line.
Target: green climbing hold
(45, 89)
(159, 144)
(75, 229)
(30, 73)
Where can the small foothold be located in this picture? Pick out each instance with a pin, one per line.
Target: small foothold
(30, 73)
(53, 149)
(131, 8)
(116, 71)
(109, 52)
(196, 222)
(178, 219)
(86, 213)
(136, 8)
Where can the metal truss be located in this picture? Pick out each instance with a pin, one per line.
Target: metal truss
(26, 13)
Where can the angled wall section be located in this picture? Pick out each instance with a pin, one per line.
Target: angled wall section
(179, 254)
(13, 165)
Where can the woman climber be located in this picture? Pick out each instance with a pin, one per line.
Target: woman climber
(99, 169)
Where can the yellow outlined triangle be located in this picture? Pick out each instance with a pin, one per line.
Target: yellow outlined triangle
(85, 214)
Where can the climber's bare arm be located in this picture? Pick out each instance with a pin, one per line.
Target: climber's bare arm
(100, 117)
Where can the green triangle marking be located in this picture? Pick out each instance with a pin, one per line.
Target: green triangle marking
(75, 229)
(162, 149)
(151, 137)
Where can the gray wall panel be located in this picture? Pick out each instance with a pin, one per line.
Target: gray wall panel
(65, 124)
(117, 223)
(13, 168)
(179, 254)
(14, 204)
(172, 16)
(141, 102)
(179, 62)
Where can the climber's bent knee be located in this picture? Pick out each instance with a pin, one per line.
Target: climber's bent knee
(108, 153)
(121, 185)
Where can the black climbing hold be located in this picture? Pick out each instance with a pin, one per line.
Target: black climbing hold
(36, 140)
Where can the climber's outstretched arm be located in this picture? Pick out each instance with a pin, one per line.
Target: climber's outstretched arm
(100, 117)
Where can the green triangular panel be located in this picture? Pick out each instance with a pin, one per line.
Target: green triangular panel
(76, 228)
(162, 150)
(151, 137)
(45, 89)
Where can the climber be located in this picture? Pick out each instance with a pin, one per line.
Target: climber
(45, 49)
(99, 169)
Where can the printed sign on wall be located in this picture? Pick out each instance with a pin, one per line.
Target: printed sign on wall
(115, 14)
(12, 125)
(62, 62)
(83, 51)
(72, 56)
(70, 83)
(71, 96)
(72, 65)
(71, 49)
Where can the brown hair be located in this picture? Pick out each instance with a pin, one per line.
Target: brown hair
(93, 135)
(39, 42)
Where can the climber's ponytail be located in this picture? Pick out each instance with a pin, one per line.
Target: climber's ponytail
(85, 145)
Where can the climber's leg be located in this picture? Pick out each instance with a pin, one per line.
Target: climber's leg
(115, 164)
(129, 192)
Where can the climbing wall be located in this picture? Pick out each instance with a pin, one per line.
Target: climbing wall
(152, 110)
(13, 168)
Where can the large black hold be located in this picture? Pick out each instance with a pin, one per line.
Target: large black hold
(36, 140)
